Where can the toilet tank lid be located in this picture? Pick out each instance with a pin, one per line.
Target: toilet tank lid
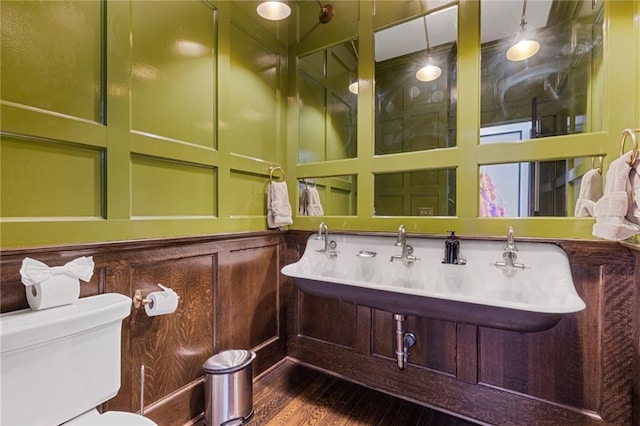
(26, 327)
(228, 361)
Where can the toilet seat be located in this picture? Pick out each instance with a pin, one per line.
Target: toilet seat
(110, 418)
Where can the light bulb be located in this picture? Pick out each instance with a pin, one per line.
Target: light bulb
(273, 10)
(524, 49)
(429, 72)
(353, 87)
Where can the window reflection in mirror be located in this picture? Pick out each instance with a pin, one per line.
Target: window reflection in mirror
(559, 89)
(326, 106)
(327, 196)
(415, 101)
(541, 188)
(416, 193)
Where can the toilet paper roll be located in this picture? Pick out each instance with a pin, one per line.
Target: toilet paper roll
(55, 291)
(162, 302)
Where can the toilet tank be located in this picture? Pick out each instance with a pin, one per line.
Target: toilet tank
(60, 362)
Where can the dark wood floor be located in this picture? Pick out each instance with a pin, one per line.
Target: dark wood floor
(292, 395)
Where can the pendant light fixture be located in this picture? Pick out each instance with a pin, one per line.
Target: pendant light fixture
(430, 71)
(523, 47)
(273, 10)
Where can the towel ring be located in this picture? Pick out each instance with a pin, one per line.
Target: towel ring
(600, 163)
(634, 142)
(273, 169)
(307, 183)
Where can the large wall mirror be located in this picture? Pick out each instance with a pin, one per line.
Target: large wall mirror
(542, 66)
(415, 72)
(327, 103)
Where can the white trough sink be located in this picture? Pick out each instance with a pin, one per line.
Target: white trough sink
(479, 293)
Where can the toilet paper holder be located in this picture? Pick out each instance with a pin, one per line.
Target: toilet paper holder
(139, 301)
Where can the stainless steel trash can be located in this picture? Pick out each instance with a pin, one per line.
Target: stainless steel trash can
(228, 388)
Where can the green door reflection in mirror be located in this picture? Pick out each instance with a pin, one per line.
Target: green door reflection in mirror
(416, 193)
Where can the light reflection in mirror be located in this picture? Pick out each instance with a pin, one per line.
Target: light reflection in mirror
(559, 89)
(414, 111)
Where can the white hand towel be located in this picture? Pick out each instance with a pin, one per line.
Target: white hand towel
(278, 209)
(590, 192)
(314, 207)
(610, 211)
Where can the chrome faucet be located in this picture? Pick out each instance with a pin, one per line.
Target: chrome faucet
(407, 256)
(509, 264)
(511, 240)
(323, 231)
(329, 246)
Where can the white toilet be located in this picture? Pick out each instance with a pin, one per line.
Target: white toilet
(59, 364)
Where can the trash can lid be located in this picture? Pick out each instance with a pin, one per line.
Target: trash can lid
(228, 361)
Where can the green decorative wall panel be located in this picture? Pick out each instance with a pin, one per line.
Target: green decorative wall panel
(254, 83)
(168, 188)
(51, 56)
(251, 194)
(49, 179)
(173, 71)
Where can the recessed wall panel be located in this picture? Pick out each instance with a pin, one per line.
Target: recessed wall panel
(250, 194)
(169, 188)
(254, 101)
(50, 56)
(173, 70)
(49, 179)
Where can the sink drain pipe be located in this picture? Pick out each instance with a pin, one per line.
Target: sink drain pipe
(403, 341)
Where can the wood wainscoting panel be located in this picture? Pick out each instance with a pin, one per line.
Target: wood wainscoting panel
(172, 347)
(248, 301)
(435, 345)
(584, 371)
(339, 327)
(229, 284)
(562, 364)
(635, 394)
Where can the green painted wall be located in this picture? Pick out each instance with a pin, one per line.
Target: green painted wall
(155, 119)
(143, 119)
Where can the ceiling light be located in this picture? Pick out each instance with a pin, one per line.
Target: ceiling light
(273, 10)
(353, 87)
(430, 71)
(523, 48)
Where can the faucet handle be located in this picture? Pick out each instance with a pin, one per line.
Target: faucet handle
(511, 240)
(321, 228)
(402, 235)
